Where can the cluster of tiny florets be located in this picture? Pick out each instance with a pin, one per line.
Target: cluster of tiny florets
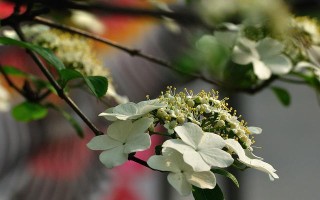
(75, 51)
(204, 109)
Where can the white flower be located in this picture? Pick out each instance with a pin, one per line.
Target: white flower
(201, 150)
(255, 130)
(4, 99)
(315, 69)
(131, 110)
(181, 175)
(247, 159)
(87, 21)
(123, 137)
(265, 56)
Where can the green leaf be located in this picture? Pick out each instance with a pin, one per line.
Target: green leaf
(97, 84)
(282, 94)
(47, 54)
(226, 174)
(67, 75)
(9, 70)
(207, 194)
(28, 111)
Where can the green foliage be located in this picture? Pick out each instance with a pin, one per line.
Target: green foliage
(226, 174)
(283, 95)
(98, 85)
(67, 75)
(207, 194)
(29, 111)
(47, 54)
(9, 70)
(39, 83)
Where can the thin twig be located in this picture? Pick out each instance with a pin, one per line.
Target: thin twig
(57, 87)
(186, 17)
(132, 52)
(141, 162)
(11, 83)
(295, 81)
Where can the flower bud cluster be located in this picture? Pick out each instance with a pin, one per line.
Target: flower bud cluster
(75, 51)
(203, 109)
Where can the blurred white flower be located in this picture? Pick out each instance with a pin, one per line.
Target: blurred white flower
(181, 175)
(87, 21)
(308, 68)
(265, 56)
(123, 137)
(254, 130)
(4, 99)
(131, 110)
(201, 150)
(248, 159)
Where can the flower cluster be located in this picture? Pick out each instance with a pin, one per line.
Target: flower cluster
(296, 49)
(202, 134)
(76, 52)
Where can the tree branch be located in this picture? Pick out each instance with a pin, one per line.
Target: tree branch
(186, 17)
(57, 87)
(132, 52)
(11, 83)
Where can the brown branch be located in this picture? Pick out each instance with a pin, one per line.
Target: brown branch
(186, 17)
(132, 52)
(11, 83)
(55, 84)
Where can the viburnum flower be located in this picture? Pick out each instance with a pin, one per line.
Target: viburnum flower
(250, 162)
(123, 138)
(4, 99)
(87, 21)
(131, 110)
(201, 150)
(181, 175)
(311, 68)
(265, 56)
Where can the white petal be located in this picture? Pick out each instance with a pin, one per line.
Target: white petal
(128, 109)
(261, 70)
(147, 106)
(204, 180)
(120, 130)
(179, 182)
(314, 54)
(113, 157)
(255, 130)
(162, 163)
(211, 140)
(190, 133)
(249, 154)
(103, 142)
(216, 157)
(139, 143)
(279, 64)
(139, 127)
(108, 114)
(177, 145)
(301, 65)
(253, 163)
(195, 160)
(241, 57)
(269, 47)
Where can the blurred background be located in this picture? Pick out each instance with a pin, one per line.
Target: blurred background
(46, 160)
